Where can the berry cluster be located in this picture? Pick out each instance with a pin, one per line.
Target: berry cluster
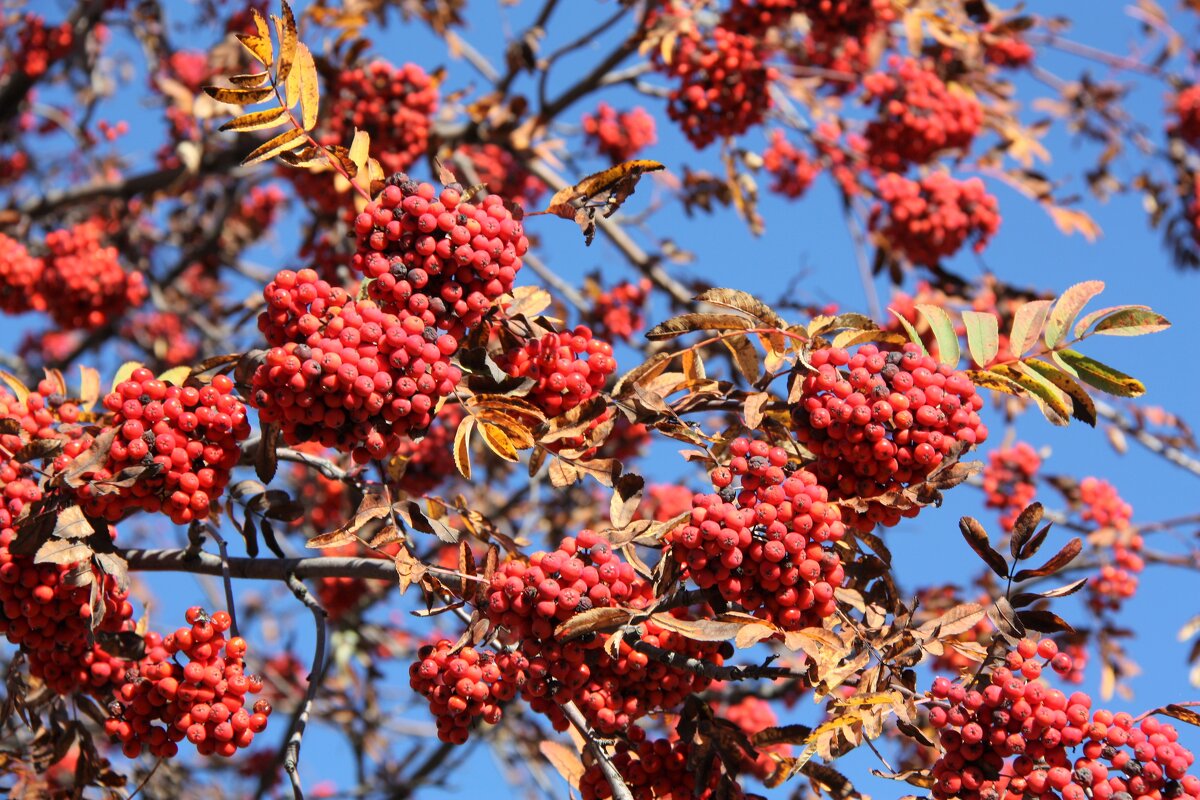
(842, 36)
(931, 219)
(1008, 50)
(1117, 581)
(13, 165)
(437, 257)
(38, 46)
(723, 84)
(163, 335)
(185, 437)
(660, 768)
(430, 460)
(51, 617)
(765, 545)
(502, 172)
(1008, 480)
(359, 383)
(919, 116)
(791, 169)
(205, 700)
(619, 136)
(528, 601)
(569, 368)
(753, 714)
(1102, 505)
(464, 685)
(616, 313)
(393, 104)
(1186, 108)
(886, 421)
(1015, 738)
(665, 501)
(20, 276)
(85, 279)
(298, 305)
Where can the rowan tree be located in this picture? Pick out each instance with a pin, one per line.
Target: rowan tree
(365, 394)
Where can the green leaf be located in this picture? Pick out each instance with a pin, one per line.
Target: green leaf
(1082, 406)
(1101, 376)
(983, 336)
(1055, 406)
(1067, 308)
(943, 331)
(913, 336)
(1028, 322)
(1130, 321)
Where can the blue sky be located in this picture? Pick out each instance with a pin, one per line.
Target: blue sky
(809, 238)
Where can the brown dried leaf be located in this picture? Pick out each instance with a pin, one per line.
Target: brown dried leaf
(288, 140)
(1059, 560)
(591, 621)
(977, 537)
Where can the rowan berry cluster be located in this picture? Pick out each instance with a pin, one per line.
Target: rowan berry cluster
(1186, 108)
(464, 685)
(665, 501)
(185, 438)
(842, 36)
(502, 172)
(1008, 50)
(569, 368)
(164, 335)
(50, 616)
(86, 279)
(204, 700)
(435, 256)
(660, 768)
(528, 601)
(430, 460)
(1016, 738)
(359, 383)
(1117, 581)
(887, 421)
(753, 714)
(931, 219)
(13, 165)
(616, 313)
(38, 46)
(791, 169)
(1008, 480)
(395, 105)
(20, 276)
(756, 17)
(723, 84)
(1102, 505)
(766, 543)
(918, 115)
(298, 305)
(619, 136)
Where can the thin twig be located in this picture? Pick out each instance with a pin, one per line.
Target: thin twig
(291, 759)
(619, 790)
(225, 578)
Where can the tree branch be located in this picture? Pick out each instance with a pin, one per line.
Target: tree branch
(615, 781)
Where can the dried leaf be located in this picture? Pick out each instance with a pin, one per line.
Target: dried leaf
(238, 97)
(1059, 560)
(977, 537)
(627, 495)
(498, 441)
(592, 621)
(309, 90)
(563, 759)
(462, 447)
(288, 140)
(1024, 528)
(257, 120)
(689, 323)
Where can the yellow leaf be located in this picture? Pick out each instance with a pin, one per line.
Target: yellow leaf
(259, 46)
(563, 759)
(498, 442)
(176, 375)
(309, 90)
(286, 28)
(238, 97)
(288, 140)
(462, 447)
(14, 383)
(257, 120)
(89, 386)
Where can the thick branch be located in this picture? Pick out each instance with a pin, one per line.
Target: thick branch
(615, 781)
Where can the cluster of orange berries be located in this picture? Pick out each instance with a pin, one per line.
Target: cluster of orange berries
(20, 276)
(1117, 581)
(430, 460)
(85, 279)
(1015, 737)
(1008, 50)
(529, 600)
(568, 368)
(1186, 108)
(616, 313)
(1102, 506)
(38, 46)
(163, 335)
(618, 136)
(886, 421)
(660, 768)
(722, 83)
(1008, 480)
(918, 115)
(792, 171)
(186, 437)
(395, 105)
(502, 172)
(204, 700)
(464, 685)
(929, 219)
(766, 544)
